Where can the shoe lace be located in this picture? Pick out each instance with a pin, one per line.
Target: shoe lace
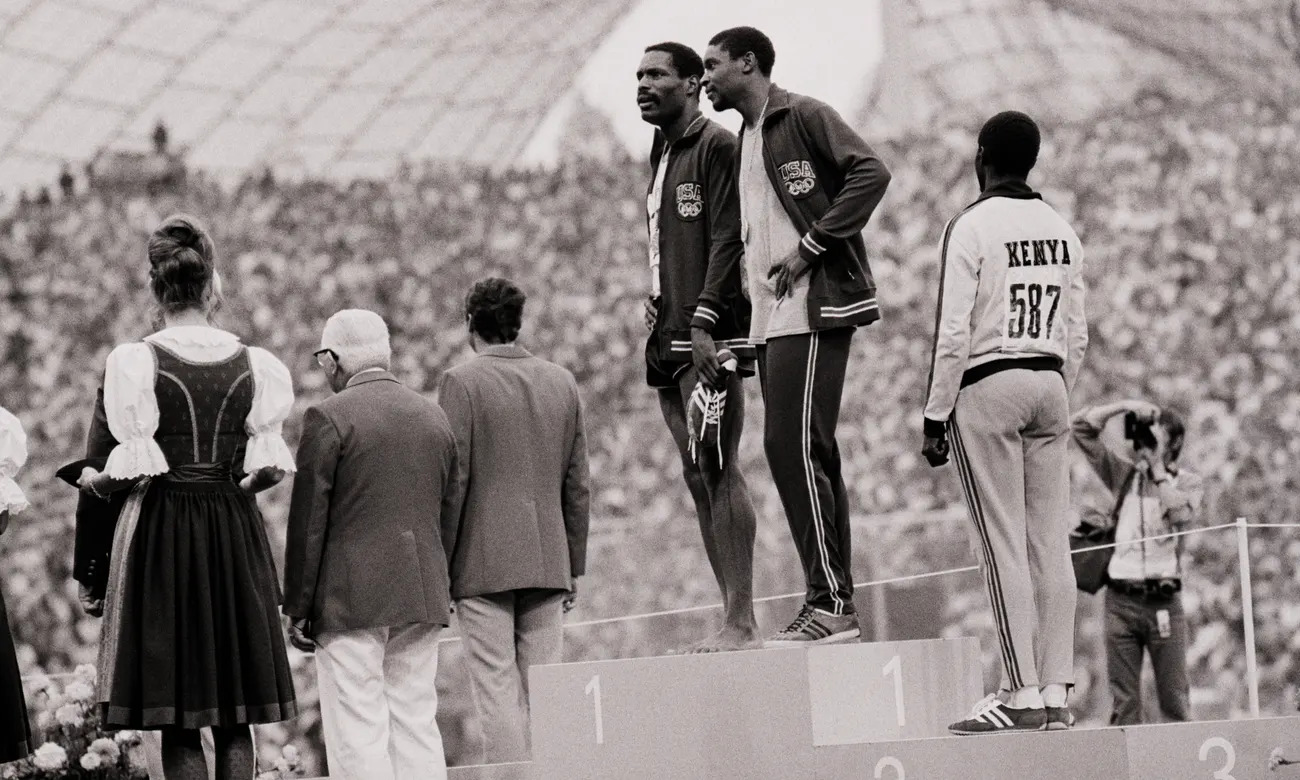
(801, 622)
(711, 404)
(984, 705)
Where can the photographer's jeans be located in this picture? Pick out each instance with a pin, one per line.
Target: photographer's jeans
(1133, 626)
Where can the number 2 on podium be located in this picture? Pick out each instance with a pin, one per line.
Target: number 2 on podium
(889, 762)
(593, 690)
(895, 667)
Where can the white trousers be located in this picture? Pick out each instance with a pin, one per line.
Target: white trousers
(379, 703)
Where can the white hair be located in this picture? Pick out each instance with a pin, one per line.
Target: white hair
(360, 339)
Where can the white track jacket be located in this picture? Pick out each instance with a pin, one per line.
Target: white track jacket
(1011, 295)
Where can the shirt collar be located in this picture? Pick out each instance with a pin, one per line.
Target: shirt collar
(362, 373)
(194, 336)
(511, 350)
(1010, 189)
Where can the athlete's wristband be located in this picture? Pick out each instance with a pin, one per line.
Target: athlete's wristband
(935, 429)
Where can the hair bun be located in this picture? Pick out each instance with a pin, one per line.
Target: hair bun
(181, 256)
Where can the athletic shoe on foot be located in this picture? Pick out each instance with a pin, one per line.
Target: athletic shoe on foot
(1058, 719)
(991, 715)
(814, 627)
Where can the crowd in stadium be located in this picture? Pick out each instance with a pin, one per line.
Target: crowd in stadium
(1189, 217)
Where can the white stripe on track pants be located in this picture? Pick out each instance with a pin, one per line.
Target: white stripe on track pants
(1009, 435)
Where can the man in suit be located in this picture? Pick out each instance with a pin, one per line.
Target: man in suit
(375, 504)
(521, 544)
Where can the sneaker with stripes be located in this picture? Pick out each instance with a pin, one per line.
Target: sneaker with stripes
(815, 627)
(991, 715)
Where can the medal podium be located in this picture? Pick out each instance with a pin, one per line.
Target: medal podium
(862, 711)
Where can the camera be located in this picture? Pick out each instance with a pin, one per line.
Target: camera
(1139, 432)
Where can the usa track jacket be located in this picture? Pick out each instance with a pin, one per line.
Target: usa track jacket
(1011, 295)
(699, 243)
(830, 182)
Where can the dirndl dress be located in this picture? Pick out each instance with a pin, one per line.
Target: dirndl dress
(192, 635)
(15, 731)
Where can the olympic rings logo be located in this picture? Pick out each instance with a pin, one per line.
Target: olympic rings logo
(799, 187)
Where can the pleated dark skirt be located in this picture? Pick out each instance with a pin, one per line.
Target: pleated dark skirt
(196, 639)
(15, 733)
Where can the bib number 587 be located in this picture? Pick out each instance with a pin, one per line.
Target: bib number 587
(1027, 310)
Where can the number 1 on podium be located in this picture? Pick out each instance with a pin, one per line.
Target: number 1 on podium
(593, 690)
(895, 667)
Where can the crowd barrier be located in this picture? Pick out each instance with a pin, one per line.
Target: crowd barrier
(1243, 557)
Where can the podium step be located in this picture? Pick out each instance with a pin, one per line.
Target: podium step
(515, 771)
(753, 714)
(892, 690)
(691, 717)
(1214, 750)
(1209, 750)
(1081, 754)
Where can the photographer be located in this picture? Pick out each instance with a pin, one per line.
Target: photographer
(1153, 496)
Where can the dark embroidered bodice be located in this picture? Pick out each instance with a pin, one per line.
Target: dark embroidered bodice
(202, 407)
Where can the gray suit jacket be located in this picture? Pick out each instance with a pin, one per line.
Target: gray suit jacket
(518, 425)
(375, 504)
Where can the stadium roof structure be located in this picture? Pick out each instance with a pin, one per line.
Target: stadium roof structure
(961, 60)
(327, 85)
(349, 87)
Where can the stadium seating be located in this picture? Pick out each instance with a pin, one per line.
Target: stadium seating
(1190, 218)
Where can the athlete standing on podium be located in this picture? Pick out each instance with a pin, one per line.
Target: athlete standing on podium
(695, 308)
(808, 185)
(1010, 336)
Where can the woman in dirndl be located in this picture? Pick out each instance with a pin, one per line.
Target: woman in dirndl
(15, 733)
(191, 633)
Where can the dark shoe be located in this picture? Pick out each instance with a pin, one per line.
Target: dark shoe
(814, 627)
(991, 715)
(1058, 719)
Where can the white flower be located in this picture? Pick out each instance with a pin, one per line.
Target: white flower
(86, 673)
(290, 754)
(44, 719)
(40, 683)
(92, 761)
(50, 757)
(80, 690)
(56, 699)
(69, 715)
(127, 737)
(282, 766)
(106, 748)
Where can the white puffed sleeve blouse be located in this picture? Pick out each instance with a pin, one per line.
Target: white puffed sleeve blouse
(13, 454)
(132, 407)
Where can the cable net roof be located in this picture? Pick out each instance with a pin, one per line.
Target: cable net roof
(348, 87)
(961, 60)
(343, 85)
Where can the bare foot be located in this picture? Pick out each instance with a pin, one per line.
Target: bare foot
(729, 638)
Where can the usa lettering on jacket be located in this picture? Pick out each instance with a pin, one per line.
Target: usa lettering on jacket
(798, 177)
(690, 200)
(1044, 252)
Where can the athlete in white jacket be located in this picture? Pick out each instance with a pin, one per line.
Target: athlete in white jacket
(1010, 336)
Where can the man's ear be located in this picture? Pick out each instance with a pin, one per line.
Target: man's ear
(693, 86)
(749, 62)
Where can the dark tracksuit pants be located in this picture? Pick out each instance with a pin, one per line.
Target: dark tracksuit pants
(802, 378)
(1132, 627)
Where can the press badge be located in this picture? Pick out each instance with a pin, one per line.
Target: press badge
(1162, 623)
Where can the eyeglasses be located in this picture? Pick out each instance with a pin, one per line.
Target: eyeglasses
(320, 357)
